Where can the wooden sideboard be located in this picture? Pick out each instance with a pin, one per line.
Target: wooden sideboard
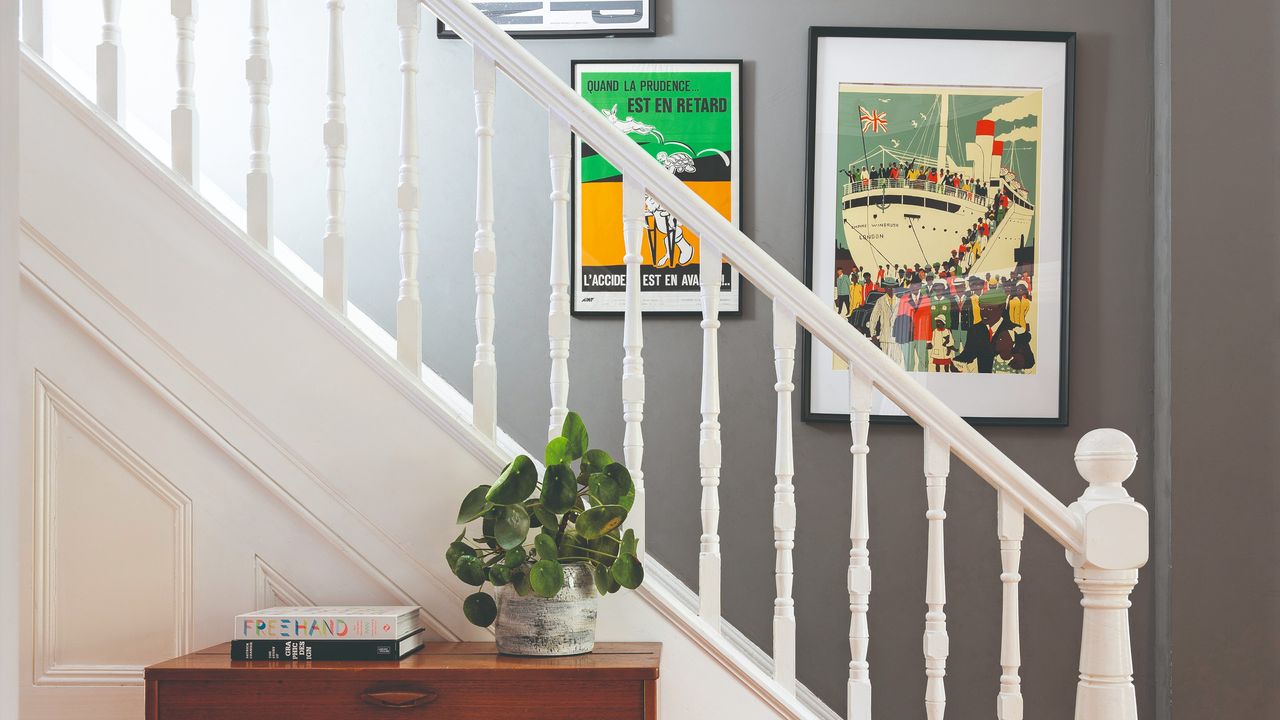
(453, 681)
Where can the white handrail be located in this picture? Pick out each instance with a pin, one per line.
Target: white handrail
(757, 266)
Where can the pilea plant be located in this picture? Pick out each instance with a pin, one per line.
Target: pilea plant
(530, 527)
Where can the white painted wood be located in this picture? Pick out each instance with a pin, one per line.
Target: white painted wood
(110, 65)
(560, 141)
(859, 578)
(33, 19)
(1115, 540)
(937, 462)
(257, 72)
(755, 263)
(484, 259)
(334, 266)
(183, 119)
(784, 497)
(709, 447)
(12, 547)
(633, 225)
(408, 194)
(1010, 524)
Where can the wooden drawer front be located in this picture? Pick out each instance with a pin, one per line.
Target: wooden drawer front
(309, 699)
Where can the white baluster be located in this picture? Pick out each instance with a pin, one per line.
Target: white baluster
(633, 226)
(33, 25)
(409, 302)
(183, 120)
(937, 462)
(110, 67)
(709, 449)
(484, 259)
(859, 580)
(335, 155)
(1010, 522)
(1115, 546)
(257, 71)
(560, 141)
(784, 499)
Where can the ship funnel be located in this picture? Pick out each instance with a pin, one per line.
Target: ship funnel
(986, 164)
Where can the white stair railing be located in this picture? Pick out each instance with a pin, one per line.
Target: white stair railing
(1104, 532)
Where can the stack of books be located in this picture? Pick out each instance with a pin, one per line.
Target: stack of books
(327, 633)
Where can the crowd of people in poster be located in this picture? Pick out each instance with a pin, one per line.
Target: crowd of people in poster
(940, 319)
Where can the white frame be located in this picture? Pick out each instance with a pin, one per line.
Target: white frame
(909, 57)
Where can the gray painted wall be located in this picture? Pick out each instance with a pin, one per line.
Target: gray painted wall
(1226, 583)
(1112, 347)
(1111, 310)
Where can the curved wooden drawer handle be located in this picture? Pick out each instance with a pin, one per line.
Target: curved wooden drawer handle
(400, 699)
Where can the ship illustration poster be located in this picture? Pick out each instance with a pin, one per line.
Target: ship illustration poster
(934, 196)
(686, 115)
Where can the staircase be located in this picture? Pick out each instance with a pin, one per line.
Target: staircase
(310, 359)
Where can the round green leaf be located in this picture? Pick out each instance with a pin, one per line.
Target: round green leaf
(614, 486)
(594, 461)
(515, 557)
(511, 526)
(474, 505)
(520, 581)
(546, 577)
(628, 571)
(599, 520)
(630, 543)
(572, 546)
(470, 570)
(487, 528)
(516, 482)
(575, 432)
(600, 574)
(559, 489)
(480, 609)
(456, 550)
(557, 451)
(499, 575)
(546, 546)
(545, 517)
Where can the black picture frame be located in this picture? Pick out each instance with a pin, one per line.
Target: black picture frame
(740, 160)
(1068, 40)
(651, 30)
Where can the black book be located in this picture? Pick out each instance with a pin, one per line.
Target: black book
(326, 649)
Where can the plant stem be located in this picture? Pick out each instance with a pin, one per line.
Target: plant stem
(564, 525)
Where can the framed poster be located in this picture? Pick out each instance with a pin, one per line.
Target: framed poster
(548, 19)
(939, 210)
(687, 116)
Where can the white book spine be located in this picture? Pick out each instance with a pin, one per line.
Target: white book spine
(318, 627)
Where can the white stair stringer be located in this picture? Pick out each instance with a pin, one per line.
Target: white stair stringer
(308, 401)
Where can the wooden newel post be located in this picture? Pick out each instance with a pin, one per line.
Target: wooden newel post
(1115, 546)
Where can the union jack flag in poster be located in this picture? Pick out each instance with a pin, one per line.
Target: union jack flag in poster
(873, 120)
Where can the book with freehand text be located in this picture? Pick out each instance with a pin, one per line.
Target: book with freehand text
(333, 623)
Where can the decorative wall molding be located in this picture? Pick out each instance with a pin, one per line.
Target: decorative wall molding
(52, 408)
(345, 519)
(270, 588)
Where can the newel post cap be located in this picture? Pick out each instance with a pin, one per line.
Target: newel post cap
(1106, 457)
(1115, 527)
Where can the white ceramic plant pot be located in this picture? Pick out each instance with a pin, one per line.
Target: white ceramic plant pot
(564, 624)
